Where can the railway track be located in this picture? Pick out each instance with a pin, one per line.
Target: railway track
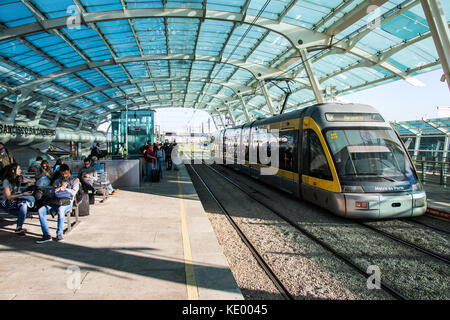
(407, 243)
(427, 225)
(386, 287)
(391, 236)
(270, 273)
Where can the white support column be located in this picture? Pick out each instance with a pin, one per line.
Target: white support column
(221, 119)
(446, 147)
(214, 121)
(438, 25)
(39, 113)
(267, 96)
(21, 101)
(231, 114)
(244, 107)
(58, 116)
(81, 123)
(315, 85)
(417, 146)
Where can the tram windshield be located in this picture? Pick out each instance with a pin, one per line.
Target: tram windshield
(369, 154)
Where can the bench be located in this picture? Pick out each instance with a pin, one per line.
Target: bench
(70, 225)
(102, 183)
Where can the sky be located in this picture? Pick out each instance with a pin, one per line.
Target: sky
(401, 101)
(396, 101)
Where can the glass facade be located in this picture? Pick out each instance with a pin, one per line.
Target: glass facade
(426, 139)
(140, 129)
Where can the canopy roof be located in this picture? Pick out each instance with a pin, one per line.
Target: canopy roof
(438, 126)
(80, 60)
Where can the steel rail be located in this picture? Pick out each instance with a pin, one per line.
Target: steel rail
(406, 243)
(386, 287)
(277, 282)
(428, 226)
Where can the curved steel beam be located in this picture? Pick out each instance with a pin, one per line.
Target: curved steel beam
(258, 71)
(237, 88)
(299, 37)
(100, 104)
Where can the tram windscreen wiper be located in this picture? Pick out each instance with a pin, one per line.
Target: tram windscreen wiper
(360, 175)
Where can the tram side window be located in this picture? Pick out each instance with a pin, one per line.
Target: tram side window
(245, 142)
(315, 162)
(288, 151)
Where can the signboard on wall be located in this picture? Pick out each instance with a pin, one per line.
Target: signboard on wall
(16, 130)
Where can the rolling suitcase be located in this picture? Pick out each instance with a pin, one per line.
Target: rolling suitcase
(91, 198)
(83, 206)
(155, 175)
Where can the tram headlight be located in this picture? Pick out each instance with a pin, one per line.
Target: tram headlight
(420, 202)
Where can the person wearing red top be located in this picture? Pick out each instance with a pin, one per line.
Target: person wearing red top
(150, 158)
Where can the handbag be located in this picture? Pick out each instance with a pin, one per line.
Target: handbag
(48, 198)
(16, 203)
(63, 194)
(43, 182)
(10, 204)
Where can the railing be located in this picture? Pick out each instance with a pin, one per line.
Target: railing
(433, 172)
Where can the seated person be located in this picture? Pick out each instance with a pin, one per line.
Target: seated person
(56, 167)
(44, 171)
(87, 176)
(65, 185)
(58, 163)
(35, 165)
(97, 166)
(11, 183)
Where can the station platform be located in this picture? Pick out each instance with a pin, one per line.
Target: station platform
(150, 242)
(438, 200)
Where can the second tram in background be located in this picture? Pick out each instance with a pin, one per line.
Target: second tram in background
(343, 157)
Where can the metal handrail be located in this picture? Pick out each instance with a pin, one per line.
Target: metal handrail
(433, 172)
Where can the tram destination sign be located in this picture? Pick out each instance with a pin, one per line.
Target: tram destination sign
(25, 131)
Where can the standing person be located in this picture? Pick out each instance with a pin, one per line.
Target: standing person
(168, 150)
(144, 148)
(6, 157)
(160, 159)
(11, 182)
(64, 187)
(121, 150)
(151, 160)
(175, 156)
(95, 151)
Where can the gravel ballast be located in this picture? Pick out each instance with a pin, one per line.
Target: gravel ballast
(313, 272)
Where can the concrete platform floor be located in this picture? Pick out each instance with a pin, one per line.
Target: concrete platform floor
(136, 245)
(438, 197)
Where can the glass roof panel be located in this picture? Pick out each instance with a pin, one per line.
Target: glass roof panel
(15, 13)
(175, 48)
